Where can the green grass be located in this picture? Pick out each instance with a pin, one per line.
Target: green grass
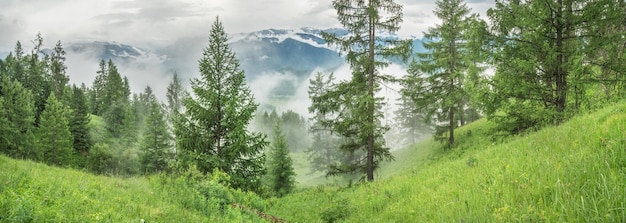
(33, 192)
(306, 179)
(575, 172)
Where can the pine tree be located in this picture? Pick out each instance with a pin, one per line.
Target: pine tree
(545, 53)
(295, 128)
(79, 120)
(438, 77)
(324, 151)
(97, 92)
(409, 122)
(54, 136)
(59, 79)
(17, 117)
(280, 164)
(366, 52)
(156, 140)
(37, 77)
(174, 95)
(213, 131)
(17, 66)
(114, 99)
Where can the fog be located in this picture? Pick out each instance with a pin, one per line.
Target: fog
(156, 71)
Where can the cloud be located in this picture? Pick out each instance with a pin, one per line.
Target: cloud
(11, 27)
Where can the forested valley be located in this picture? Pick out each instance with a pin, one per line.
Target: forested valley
(526, 111)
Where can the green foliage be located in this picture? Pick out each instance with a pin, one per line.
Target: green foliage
(358, 110)
(570, 173)
(36, 79)
(156, 141)
(100, 159)
(174, 95)
(324, 151)
(409, 123)
(545, 56)
(54, 139)
(16, 120)
(33, 192)
(79, 121)
(436, 82)
(280, 165)
(212, 133)
(58, 78)
(293, 124)
(336, 212)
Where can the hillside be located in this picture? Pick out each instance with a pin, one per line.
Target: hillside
(33, 192)
(571, 173)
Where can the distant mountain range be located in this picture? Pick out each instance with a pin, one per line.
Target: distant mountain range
(292, 52)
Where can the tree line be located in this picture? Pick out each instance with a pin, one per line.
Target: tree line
(550, 60)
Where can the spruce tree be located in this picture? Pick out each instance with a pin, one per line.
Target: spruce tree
(54, 136)
(156, 139)
(324, 151)
(212, 133)
(97, 92)
(37, 79)
(174, 95)
(79, 121)
(280, 164)
(545, 56)
(17, 117)
(438, 76)
(59, 79)
(366, 52)
(409, 122)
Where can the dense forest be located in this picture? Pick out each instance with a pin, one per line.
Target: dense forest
(532, 64)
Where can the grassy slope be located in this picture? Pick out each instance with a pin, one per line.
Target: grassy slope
(34, 192)
(572, 173)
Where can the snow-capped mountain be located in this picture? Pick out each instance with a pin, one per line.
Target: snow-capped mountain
(284, 57)
(108, 50)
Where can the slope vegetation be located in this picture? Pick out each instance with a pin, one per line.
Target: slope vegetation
(575, 172)
(34, 192)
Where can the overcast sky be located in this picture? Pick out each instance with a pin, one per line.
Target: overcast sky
(161, 22)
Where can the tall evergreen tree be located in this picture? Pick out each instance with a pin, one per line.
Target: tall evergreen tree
(174, 95)
(97, 92)
(545, 53)
(112, 95)
(366, 52)
(324, 151)
(212, 133)
(17, 66)
(295, 128)
(438, 77)
(79, 120)
(59, 78)
(37, 80)
(54, 136)
(409, 122)
(280, 164)
(156, 140)
(17, 117)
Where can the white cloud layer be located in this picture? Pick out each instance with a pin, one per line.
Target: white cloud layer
(162, 22)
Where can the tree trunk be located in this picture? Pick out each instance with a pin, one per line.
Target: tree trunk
(451, 115)
(370, 109)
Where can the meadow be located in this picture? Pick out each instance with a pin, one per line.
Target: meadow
(575, 172)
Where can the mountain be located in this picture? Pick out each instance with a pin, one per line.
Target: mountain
(286, 57)
(108, 50)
